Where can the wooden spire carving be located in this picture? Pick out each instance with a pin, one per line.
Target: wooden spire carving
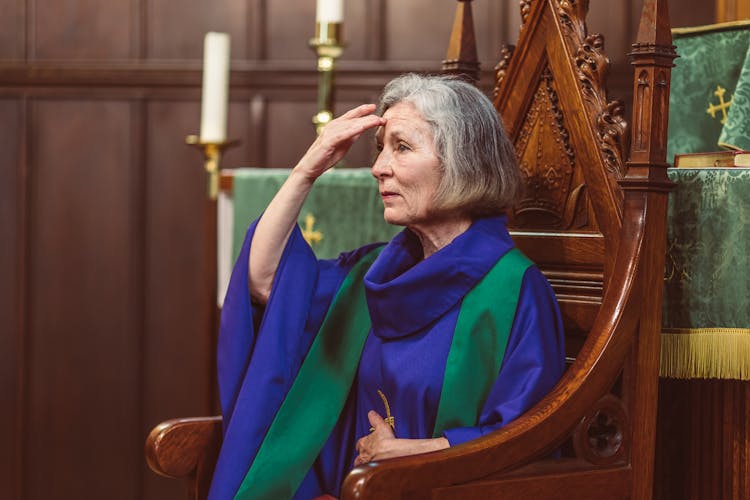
(461, 58)
(652, 56)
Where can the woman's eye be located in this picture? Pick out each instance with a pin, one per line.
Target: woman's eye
(379, 146)
(402, 147)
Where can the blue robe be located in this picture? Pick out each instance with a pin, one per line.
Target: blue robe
(413, 304)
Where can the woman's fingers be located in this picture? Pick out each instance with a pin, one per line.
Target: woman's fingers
(361, 110)
(337, 138)
(379, 425)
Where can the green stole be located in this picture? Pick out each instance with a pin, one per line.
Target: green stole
(313, 404)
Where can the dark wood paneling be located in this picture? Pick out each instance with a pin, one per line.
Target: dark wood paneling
(358, 29)
(289, 118)
(84, 358)
(11, 234)
(71, 29)
(703, 440)
(179, 345)
(404, 42)
(175, 30)
(13, 29)
(290, 27)
(177, 348)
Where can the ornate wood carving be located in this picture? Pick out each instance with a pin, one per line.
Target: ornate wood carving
(600, 438)
(506, 52)
(573, 13)
(549, 200)
(593, 66)
(611, 127)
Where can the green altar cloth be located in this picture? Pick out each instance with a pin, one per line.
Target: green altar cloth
(706, 314)
(343, 211)
(707, 292)
(709, 101)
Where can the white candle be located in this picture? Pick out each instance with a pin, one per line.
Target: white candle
(329, 11)
(215, 87)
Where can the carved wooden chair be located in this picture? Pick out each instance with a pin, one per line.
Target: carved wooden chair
(595, 224)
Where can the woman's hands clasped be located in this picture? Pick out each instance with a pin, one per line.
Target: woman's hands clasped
(335, 140)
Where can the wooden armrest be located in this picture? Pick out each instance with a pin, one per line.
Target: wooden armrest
(184, 447)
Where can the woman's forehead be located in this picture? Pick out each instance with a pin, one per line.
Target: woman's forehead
(403, 118)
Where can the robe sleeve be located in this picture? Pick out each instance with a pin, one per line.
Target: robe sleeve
(533, 363)
(261, 348)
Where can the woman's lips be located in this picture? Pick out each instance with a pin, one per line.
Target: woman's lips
(387, 194)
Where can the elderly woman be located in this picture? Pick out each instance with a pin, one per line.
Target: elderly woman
(442, 335)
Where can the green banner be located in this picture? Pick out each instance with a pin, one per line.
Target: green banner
(709, 104)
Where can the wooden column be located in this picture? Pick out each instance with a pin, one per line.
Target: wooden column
(652, 58)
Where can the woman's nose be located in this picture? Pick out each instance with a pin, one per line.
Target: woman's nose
(381, 166)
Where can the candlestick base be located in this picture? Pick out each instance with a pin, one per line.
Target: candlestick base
(212, 151)
(328, 46)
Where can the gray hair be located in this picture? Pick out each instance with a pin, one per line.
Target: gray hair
(480, 174)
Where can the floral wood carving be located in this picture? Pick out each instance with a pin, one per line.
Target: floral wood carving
(592, 67)
(573, 12)
(506, 52)
(549, 200)
(611, 130)
(601, 436)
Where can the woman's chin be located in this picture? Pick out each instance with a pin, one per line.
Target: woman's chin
(393, 219)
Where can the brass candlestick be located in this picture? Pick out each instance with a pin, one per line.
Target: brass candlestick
(212, 154)
(328, 45)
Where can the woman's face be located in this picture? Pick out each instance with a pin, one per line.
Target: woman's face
(407, 167)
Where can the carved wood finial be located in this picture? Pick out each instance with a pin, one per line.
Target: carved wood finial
(461, 58)
(654, 27)
(652, 57)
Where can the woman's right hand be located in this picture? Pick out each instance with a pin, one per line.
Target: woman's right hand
(335, 140)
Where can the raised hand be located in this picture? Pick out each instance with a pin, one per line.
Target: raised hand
(336, 138)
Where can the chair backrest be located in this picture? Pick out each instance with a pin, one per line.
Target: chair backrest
(595, 224)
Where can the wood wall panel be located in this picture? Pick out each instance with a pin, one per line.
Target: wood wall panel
(13, 30)
(290, 27)
(11, 128)
(176, 30)
(703, 440)
(178, 348)
(361, 23)
(83, 348)
(289, 118)
(75, 30)
(496, 24)
(404, 42)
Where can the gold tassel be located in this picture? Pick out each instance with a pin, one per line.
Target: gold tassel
(722, 353)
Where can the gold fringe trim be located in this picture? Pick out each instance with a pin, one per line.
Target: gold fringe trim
(722, 353)
(710, 27)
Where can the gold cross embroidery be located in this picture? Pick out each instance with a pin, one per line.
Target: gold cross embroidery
(389, 419)
(311, 236)
(722, 106)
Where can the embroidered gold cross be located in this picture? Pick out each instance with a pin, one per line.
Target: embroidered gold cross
(311, 236)
(722, 106)
(389, 419)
